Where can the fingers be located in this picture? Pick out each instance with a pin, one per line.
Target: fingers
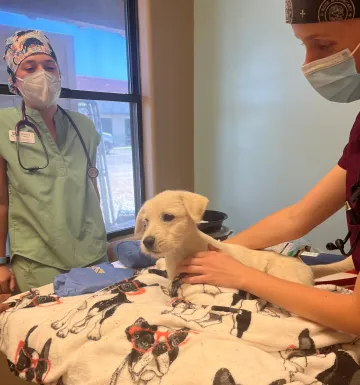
(196, 279)
(202, 254)
(3, 307)
(12, 283)
(197, 259)
(190, 262)
(190, 269)
(4, 287)
(4, 297)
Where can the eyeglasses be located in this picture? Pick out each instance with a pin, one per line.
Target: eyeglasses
(169, 339)
(40, 300)
(129, 288)
(24, 363)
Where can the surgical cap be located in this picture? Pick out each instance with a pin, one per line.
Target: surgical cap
(22, 45)
(318, 11)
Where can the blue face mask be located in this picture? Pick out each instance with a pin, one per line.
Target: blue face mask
(335, 77)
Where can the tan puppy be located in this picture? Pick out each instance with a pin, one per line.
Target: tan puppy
(168, 224)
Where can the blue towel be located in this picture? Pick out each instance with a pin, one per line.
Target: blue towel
(321, 259)
(130, 255)
(79, 281)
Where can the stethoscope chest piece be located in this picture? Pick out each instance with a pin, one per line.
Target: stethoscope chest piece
(93, 172)
(353, 217)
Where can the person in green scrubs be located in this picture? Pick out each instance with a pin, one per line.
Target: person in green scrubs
(53, 214)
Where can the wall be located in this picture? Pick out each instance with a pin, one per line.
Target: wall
(167, 77)
(263, 137)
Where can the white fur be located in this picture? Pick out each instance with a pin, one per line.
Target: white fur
(177, 239)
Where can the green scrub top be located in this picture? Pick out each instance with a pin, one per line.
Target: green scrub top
(54, 214)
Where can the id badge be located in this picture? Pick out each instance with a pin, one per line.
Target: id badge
(25, 137)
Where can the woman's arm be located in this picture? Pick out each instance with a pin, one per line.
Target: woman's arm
(338, 311)
(293, 222)
(7, 281)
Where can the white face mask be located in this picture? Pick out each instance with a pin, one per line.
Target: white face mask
(40, 90)
(335, 77)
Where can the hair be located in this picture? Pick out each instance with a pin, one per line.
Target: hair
(13, 77)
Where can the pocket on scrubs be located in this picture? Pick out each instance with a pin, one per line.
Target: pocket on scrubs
(31, 274)
(93, 243)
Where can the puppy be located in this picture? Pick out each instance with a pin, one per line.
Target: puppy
(168, 227)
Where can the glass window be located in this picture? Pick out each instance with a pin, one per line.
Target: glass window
(97, 49)
(92, 52)
(114, 161)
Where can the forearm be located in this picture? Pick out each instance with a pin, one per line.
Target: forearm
(338, 311)
(279, 227)
(3, 229)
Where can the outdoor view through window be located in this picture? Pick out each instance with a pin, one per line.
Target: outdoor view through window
(91, 41)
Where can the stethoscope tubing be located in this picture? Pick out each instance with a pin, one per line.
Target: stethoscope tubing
(92, 171)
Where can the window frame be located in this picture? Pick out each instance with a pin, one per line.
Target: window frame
(133, 97)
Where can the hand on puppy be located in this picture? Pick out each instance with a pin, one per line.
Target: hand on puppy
(214, 268)
(3, 298)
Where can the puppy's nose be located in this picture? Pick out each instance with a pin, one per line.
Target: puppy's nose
(149, 242)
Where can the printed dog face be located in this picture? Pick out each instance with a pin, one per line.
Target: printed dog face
(166, 220)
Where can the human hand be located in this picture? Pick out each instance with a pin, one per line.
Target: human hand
(214, 268)
(7, 280)
(3, 298)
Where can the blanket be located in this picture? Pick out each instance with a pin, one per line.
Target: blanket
(144, 331)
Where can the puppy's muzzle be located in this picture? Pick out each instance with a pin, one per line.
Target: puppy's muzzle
(149, 243)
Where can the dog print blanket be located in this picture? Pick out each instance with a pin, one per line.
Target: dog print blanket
(141, 331)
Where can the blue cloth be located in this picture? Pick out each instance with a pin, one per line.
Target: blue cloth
(321, 259)
(79, 281)
(130, 255)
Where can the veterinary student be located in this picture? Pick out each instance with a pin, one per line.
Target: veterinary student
(330, 32)
(49, 201)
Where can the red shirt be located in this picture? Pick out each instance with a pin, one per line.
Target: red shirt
(350, 161)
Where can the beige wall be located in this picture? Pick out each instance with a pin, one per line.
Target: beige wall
(263, 137)
(167, 72)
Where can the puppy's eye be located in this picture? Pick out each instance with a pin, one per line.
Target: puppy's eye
(145, 223)
(168, 217)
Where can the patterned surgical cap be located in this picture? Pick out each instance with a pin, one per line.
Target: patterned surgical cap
(22, 45)
(318, 11)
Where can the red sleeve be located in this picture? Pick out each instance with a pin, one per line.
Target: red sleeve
(353, 144)
(343, 160)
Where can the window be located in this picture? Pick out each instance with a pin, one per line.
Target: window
(97, 48)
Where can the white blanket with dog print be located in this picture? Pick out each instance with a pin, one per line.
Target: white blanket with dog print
(141, 331)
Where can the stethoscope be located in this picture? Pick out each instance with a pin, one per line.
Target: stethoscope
(339, 244)
(92, 171)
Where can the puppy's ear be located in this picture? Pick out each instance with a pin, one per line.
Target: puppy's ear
(139, 224)
(195, 204)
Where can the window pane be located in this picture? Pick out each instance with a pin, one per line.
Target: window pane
(114, 158)
(88, 38)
